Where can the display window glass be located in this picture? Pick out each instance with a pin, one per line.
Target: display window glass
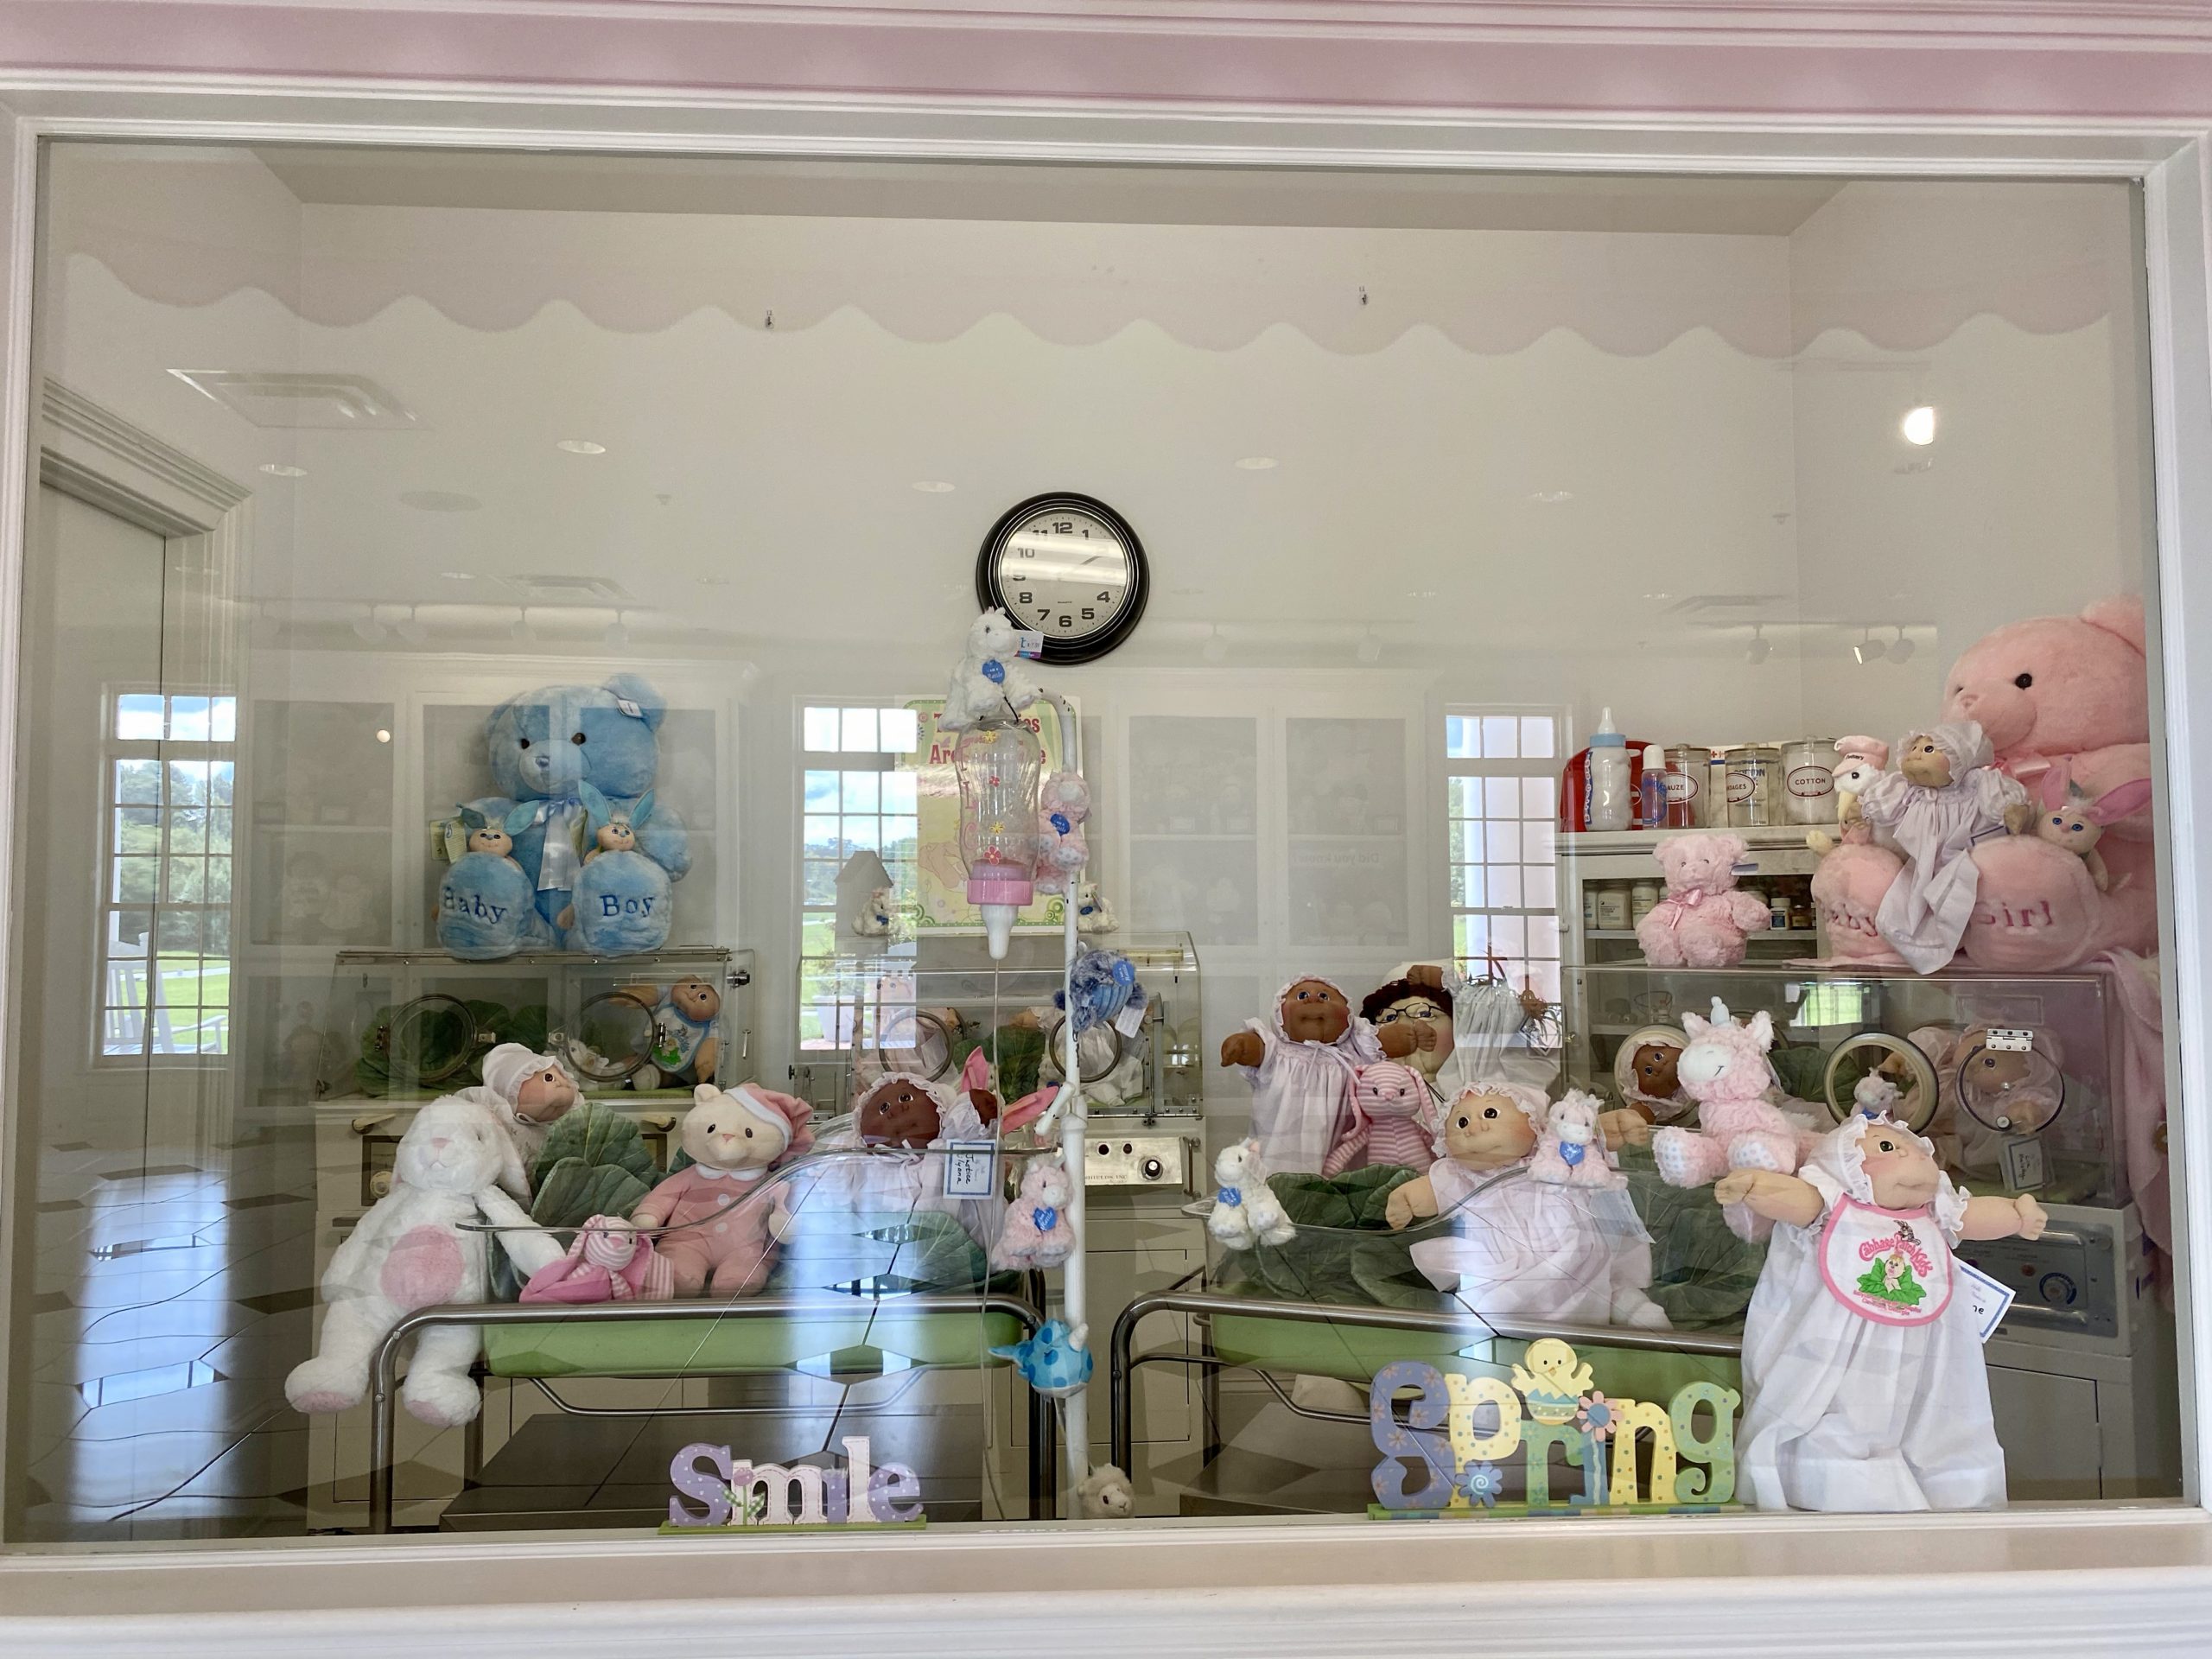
(719, 845)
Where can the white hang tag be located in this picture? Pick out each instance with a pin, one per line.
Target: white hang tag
(971, 1169)
(1989, 1300)
(2024, 1168)
(1130, 1019)
(1032, 646)
(629, 708)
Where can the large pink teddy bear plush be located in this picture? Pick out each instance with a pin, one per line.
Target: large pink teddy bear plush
(2065, 693)
(1725, 1070)
(1702, 920)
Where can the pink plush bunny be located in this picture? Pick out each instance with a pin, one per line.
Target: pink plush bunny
(610, 1261)
(1702, 920)
(1037, 1233)
(1859, 760)
(1393, 1121)
(1725, 1070)
(1571, 1151)
(2075, 821)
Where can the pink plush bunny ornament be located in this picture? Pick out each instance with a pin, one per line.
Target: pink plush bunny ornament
(1037, 1233)
(1725, 1070)
(2074, 820)
(1702, 920)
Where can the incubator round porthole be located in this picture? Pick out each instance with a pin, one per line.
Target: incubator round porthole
(422, 1043)
(1879, 1075)
(1097, 1051)
(2009, 1080)
(615, 1037)
(920, 1041)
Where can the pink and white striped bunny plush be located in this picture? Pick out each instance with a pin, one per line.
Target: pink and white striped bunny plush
(1393, 1121)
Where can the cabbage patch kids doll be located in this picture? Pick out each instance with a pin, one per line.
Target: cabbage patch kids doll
(1576, 1254)
(1862, 1363)
(527, 1093)
(1300, 1062)
(1946, 794)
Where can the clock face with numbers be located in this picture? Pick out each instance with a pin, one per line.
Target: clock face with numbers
(1068, 568)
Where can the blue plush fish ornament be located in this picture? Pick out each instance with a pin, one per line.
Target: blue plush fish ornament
(1054, 1361)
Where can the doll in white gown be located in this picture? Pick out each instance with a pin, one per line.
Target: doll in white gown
(1518, 1245)
(1862, 1363)
(1300, 1061)
(1946, 794)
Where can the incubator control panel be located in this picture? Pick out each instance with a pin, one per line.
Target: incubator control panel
(2069, 1280)
(1115, 1158)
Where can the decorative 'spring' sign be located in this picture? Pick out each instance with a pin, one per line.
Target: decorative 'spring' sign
(1462, 1430)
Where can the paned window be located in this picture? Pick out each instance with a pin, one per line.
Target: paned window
(165, 916)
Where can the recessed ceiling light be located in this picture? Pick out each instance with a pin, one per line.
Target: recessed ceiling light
(1658, 596)
(283, 470)
(1258, 464)
(712, 582)
(1551, 498)
(580, 447)
(456, 576)
(934, 487)
(382, 736)
(1919, 424)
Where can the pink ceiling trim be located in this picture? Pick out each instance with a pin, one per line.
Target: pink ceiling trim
(1967, 58)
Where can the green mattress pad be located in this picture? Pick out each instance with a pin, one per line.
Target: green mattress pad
(859, 1341)
(1355, 1353)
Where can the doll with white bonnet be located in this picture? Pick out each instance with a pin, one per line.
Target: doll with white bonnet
(1576, 1254)
(1946, 794)
(1862, 1359)
(527, 1093)
(1301, 1060)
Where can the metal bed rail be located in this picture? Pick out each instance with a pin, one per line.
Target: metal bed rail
(384, 1372)
(1121, 1365)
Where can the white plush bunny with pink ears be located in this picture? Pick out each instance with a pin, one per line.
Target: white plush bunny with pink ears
(2075, 822)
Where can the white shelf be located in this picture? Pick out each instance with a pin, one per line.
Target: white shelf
(1769, 838)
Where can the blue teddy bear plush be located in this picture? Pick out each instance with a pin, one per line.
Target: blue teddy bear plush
(574, 765)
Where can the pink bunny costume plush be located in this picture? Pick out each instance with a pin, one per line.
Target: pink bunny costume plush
(725, 1213)
(2073, 822)
(1702, 920)
(1725, 1070)
(419, 1245)
(1571, 1151)
(2053, 693)
(1037, 1233)
(1859, 760)
(610, 1261)
(1393, 1121)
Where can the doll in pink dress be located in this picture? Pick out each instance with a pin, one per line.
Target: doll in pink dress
(721, 1218)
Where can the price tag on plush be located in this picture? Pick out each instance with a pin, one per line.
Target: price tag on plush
(1033, 644)
(971, 1169)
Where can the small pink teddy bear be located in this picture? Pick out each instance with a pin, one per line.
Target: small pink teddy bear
(1393, 1121)
(1571, 1151)
(1037, 1233)
(1725, 1070)
(1702, 920)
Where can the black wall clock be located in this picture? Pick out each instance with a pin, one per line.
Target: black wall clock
(1069, 567)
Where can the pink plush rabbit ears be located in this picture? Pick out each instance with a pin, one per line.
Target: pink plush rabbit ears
(2059, 791)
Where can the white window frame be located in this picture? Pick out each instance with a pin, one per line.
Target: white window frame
(2109, 1578)
(1538, 900)
(161, 750)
